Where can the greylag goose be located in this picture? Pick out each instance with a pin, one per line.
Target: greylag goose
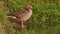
(22, 15)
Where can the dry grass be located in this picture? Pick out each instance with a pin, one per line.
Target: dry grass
(1, 29)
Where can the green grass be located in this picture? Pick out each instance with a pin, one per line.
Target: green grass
(45, 18)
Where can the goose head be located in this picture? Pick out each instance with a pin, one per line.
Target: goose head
(28, 6)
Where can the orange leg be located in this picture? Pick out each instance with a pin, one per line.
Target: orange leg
(22, 26)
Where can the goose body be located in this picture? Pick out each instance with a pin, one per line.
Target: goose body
(21, 15)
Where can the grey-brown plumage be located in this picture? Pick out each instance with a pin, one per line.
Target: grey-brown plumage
(22, 15)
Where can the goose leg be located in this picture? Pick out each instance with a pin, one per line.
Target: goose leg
(22, 26)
